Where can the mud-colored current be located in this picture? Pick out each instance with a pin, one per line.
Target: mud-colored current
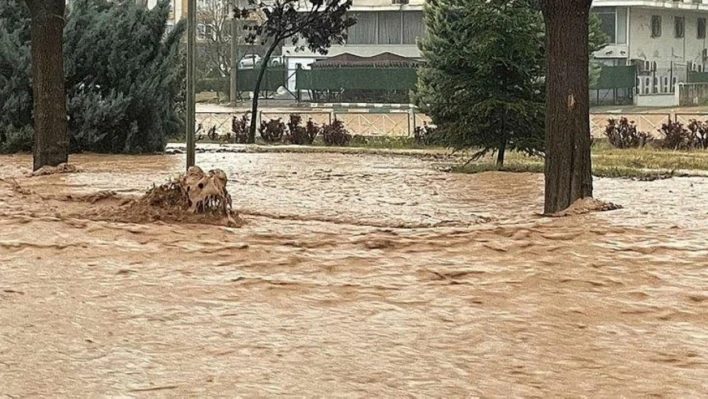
(354, 276)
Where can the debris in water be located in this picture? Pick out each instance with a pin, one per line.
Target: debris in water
(53, 170)
(194, 194)
(586, 205)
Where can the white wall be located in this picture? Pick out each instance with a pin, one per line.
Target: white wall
(178, 10)
(656, 100)
(666, 48)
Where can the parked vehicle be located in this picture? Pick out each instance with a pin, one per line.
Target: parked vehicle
(250, 61)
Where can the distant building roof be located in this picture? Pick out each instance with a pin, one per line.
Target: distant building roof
(383, 60)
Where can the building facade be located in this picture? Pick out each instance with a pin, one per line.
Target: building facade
(665, 39)
(383, 26)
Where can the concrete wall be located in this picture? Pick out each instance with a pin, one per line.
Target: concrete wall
(656, 100)
(692, 94)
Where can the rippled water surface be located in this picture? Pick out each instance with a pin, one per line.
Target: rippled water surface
(355, 276)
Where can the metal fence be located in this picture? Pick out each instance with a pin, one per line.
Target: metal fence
(403, 123)
(357, 122)
(650, 122)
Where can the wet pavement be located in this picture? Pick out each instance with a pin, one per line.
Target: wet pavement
(355, 276)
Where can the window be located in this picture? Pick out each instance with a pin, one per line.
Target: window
(386, 27)
(621, 25)
(608, 21)
(390, 27)
(701, 28)
(364, 31)
(655, 26)
(412, 26)
(679, 27)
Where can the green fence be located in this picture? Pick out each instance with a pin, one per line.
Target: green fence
(272, 80)
(397, 79)
(616, 77)
(356, 79)
(697, 77)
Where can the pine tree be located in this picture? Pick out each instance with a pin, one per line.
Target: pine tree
(15, 85)
(482, 83)
(124, 77)
(597, 40)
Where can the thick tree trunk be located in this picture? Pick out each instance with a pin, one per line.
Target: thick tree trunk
(51, 137)
(568, 165)
(257, 91)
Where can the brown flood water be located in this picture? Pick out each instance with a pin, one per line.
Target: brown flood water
(355, 276)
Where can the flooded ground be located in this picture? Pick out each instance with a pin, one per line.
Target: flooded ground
(355, 276)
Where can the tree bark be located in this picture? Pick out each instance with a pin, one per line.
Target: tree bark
(568, 169)
(501, 151)
(257, 91)
(51, 137)
(500, 155)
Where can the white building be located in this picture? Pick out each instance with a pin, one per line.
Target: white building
(665, 38)
(383, 26)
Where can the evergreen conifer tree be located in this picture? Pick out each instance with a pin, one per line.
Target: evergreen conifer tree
(124, 77)
(483, 80)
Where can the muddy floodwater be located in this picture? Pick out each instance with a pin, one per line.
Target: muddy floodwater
(355, 276)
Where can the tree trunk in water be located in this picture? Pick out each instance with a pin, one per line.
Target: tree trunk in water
(257, 91)
(568, 168)
(51, 137)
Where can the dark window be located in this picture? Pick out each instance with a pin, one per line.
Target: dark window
(679, 27)
(655, 26)
(413, 26)
(364, 31)
(390, 27)
(608, 21)
(701, 28)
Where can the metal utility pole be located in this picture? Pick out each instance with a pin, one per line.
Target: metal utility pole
(191, 99)
(234, 61)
